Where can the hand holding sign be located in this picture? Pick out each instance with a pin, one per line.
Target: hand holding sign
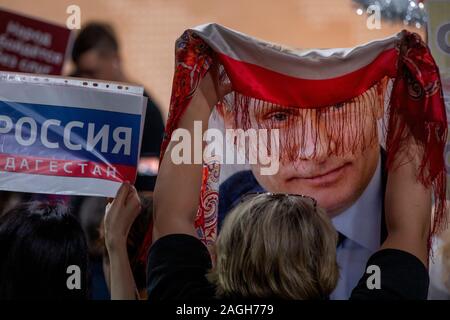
(120, 215)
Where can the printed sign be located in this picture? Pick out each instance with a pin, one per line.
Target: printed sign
(31, 45)
(68, 136)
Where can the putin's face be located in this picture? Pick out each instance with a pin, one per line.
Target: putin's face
(335, 179)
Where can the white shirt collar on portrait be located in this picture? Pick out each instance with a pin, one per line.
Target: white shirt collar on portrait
(361, 222)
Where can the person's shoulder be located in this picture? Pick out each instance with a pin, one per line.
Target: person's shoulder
(177, 268)
(233, 188)
(400, 276)
(178, 242)
(240, 183)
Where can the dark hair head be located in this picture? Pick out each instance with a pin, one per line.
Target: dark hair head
(38, 242)
(99, 36)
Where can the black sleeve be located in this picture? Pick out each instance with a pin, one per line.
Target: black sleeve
(177, 268)
(403, 277)
(153, 131)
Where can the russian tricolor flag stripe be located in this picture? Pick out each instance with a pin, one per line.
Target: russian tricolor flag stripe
(67, 168)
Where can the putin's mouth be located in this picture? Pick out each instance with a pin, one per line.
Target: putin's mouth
(323, 178)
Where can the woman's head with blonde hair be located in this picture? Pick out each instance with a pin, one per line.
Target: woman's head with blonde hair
(276, 246)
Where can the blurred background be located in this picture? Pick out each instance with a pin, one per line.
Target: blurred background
(147, 29)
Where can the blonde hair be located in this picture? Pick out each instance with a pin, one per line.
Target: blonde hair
(279, 246)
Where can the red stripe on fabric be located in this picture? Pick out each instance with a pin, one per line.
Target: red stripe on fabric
(66, 168)
(258, 82)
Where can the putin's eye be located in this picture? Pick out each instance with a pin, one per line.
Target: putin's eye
(276, 116)
(279, 116)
